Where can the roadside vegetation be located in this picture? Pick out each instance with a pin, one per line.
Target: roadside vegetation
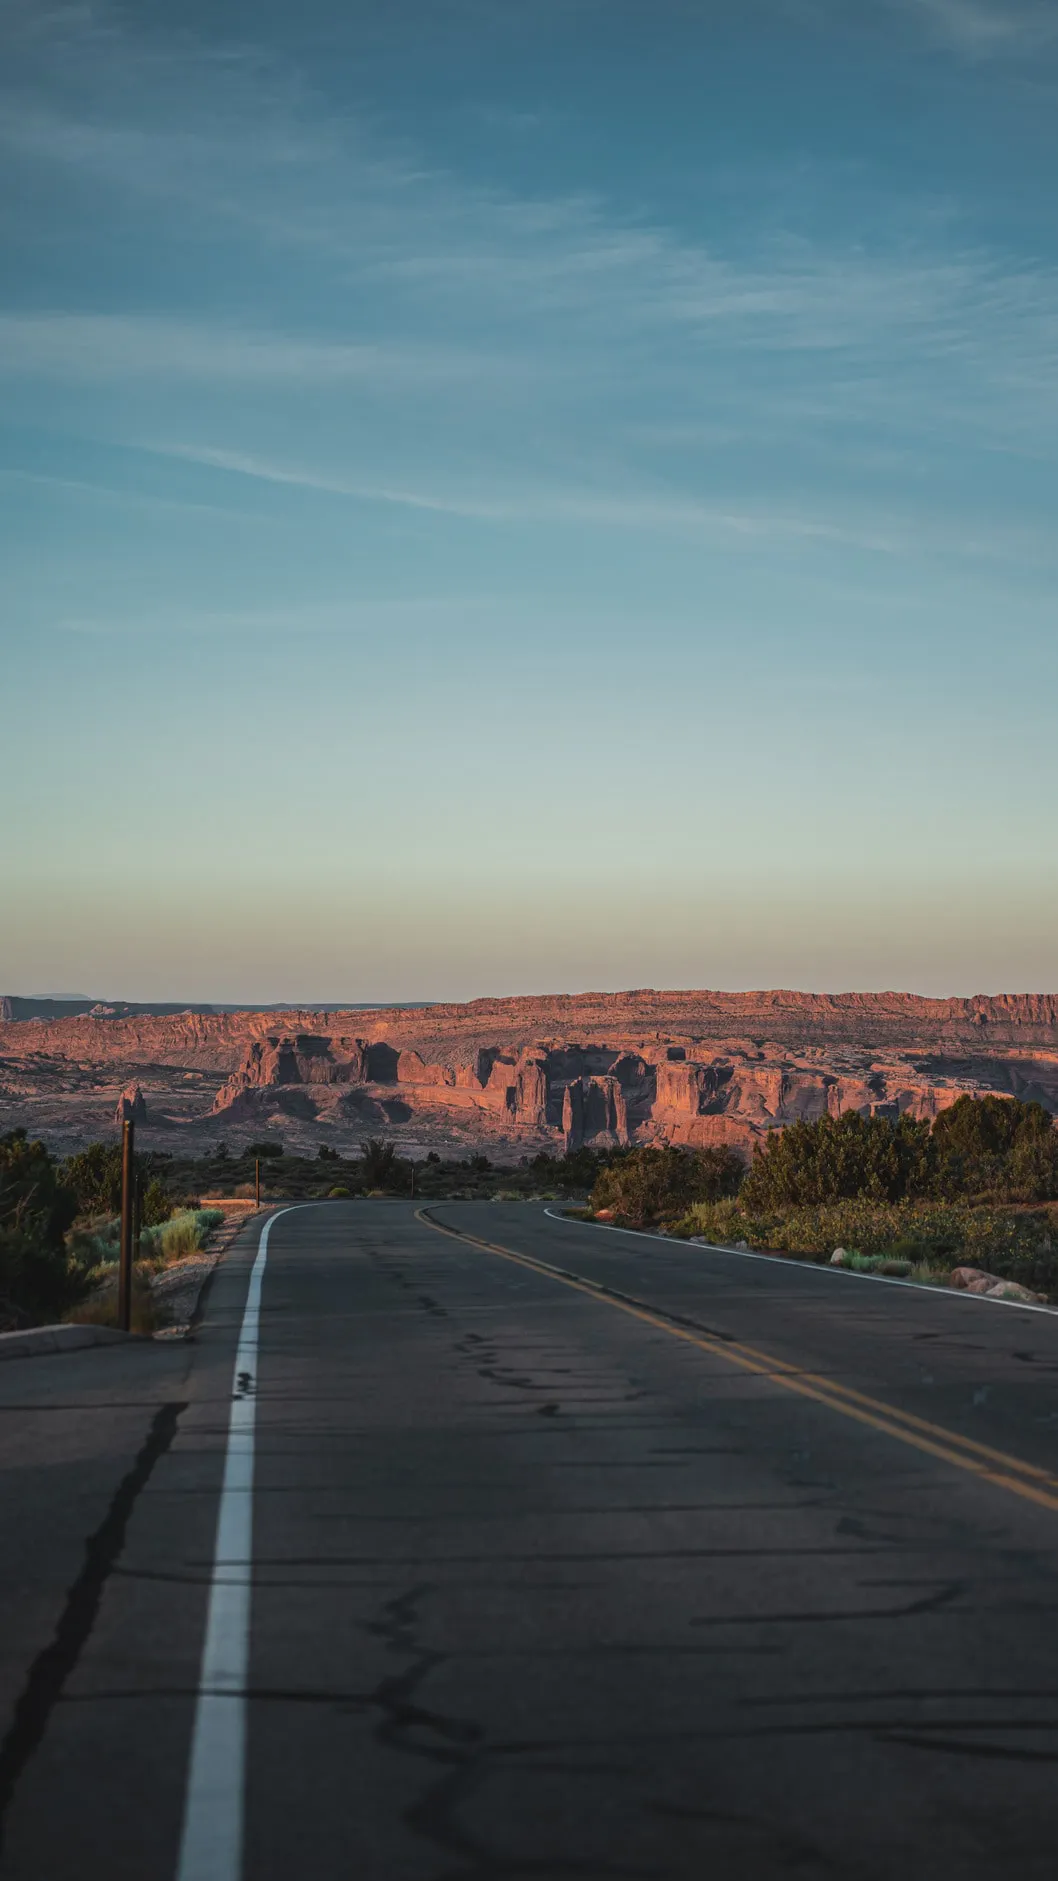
(59, 1220)
(41, 1278)
(977, 1189)
(59, 1233)
(379, 1170)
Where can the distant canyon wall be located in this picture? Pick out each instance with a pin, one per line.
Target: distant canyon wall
(900, 1020)
(595, 1068)
(593, 1094)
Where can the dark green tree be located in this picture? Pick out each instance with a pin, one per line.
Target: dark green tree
(94, 1175)
(995, 1145)
(38, 1279)
(719, 1173)
(837, 1158)
(380, 1163)
(648, 1184)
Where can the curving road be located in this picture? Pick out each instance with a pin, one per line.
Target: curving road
(568, 1554)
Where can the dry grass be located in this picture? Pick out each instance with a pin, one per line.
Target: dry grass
(101, 1307)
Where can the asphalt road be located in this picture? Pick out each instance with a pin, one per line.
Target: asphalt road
(670, 1563)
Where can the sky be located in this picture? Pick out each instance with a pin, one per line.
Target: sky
(504, 498)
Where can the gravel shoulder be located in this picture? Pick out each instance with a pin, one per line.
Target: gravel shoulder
(177, 1290)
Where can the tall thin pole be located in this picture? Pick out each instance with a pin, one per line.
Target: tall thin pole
(128, 1138)
(257, 1180)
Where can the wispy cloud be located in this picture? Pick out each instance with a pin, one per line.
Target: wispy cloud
(983, 27)
(534, 504)
(426, 615)
(538, 358)
(116, 345)
(96, 491)
(650, 510)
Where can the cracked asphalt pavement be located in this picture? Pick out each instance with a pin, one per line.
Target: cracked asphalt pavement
(546, 1582)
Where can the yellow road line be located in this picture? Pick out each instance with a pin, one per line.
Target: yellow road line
(978, 1459)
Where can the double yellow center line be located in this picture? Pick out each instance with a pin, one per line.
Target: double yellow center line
(978, 1459)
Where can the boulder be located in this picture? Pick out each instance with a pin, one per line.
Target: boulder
(991, 1286)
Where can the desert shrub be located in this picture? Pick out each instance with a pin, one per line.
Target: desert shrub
(94, 1175)
(719, 1172)
(1032, 1171)
(155, 1203)
(40, 1276)
(1013, 1243)
(996, 1145)
(840, 1157)
(715, 1221)
(101, 1306)
(95, 1247)
(183, 1234)
(380, 1164)
(647, 1184)
(338, 1194)
(580, 1169)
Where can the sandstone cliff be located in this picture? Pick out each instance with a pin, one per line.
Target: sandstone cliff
(522, 1074)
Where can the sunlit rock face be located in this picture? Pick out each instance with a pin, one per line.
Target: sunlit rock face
(514, 1076)
(131, 1106)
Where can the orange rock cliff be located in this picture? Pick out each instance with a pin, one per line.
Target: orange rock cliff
(521, 1074)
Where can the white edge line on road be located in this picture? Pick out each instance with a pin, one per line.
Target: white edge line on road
(212, 1835)
(810, 1267)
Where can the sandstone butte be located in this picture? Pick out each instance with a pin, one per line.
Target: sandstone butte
(513, 1076)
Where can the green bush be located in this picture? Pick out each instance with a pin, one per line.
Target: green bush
(155, 1203)
(183, 1234)
(996, 1145)
(95, 1247)
(40, 1276)
(1013, 1243)
(380, 1164)
(838, 1158)
(94, 1175)
(647, 1184)
(980, 1146)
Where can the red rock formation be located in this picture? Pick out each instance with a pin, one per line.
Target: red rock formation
(594, 1112)
(531, 1090)
(131, 1106)
(303, 1059)
(529, 1073)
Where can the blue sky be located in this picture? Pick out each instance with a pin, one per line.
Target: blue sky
(505, 498)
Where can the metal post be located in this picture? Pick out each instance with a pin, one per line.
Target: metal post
(413, 1178)
(128, 1178)
(257, 1179)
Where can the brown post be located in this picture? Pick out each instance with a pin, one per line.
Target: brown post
(128, 1179)
(257, 1179)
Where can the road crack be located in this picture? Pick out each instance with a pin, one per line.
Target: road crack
(58, 1659)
